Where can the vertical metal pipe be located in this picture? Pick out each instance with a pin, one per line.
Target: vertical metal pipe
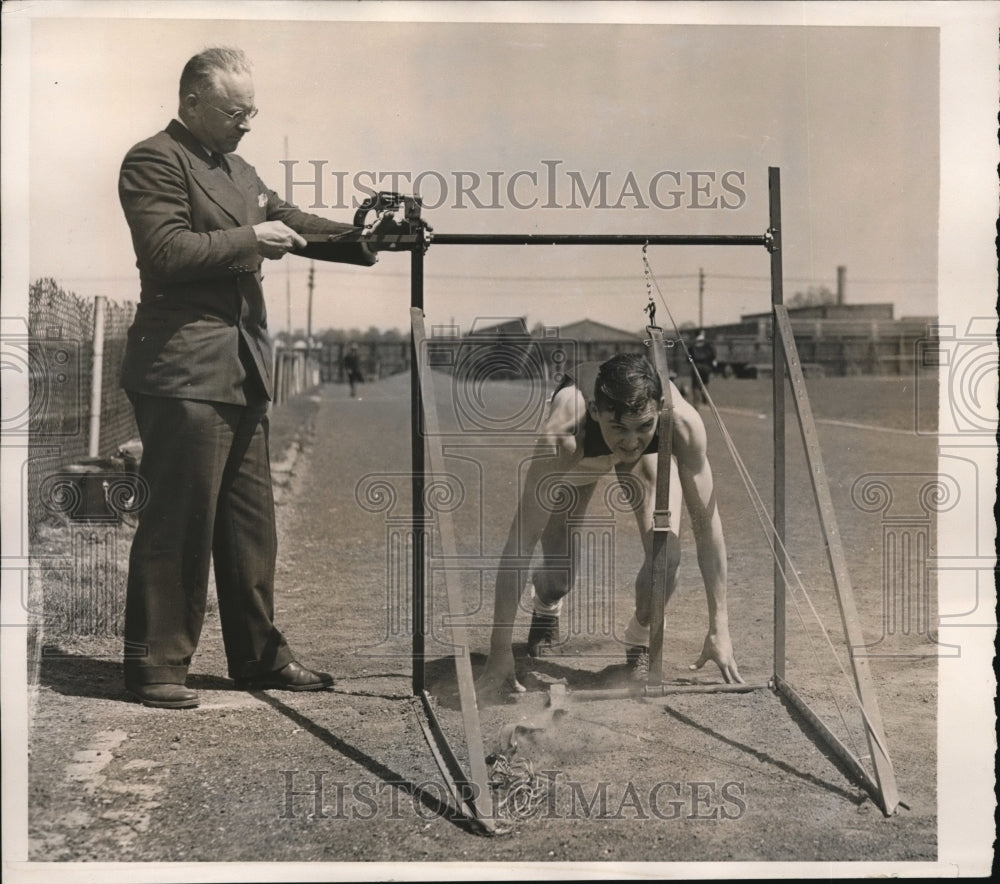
(701, 298)
(97, 378)
(417, 480)
(778, 402)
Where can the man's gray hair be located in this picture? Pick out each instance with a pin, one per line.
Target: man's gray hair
(200, 71)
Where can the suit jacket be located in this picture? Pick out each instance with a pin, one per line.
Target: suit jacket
(201, 300)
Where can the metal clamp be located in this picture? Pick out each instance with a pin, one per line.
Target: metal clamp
(771, 240)
(386, 229)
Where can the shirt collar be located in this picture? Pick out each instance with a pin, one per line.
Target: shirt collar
(209, 154)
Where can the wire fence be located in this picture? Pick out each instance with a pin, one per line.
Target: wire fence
(83, 443)
(67, 423)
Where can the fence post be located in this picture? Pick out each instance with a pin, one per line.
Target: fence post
(97, 378)
(277, 374)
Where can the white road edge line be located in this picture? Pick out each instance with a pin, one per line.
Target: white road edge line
(747, 412)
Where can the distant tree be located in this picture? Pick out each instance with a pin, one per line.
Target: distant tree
(332, 336)
(814, 296)
(343, 336)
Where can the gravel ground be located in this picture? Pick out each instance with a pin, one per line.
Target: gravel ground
(347, 775)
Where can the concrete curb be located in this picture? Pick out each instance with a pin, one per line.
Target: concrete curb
(283, 470)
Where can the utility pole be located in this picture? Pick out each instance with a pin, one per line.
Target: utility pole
(309, 327)
(701, 297)
(288, 282)
(841, 283)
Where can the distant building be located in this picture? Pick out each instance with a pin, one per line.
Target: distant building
(495, 348)
(589, 341)
(502, 348)
(831, 311)
(499, 327)
(588, 330)
(833, 339)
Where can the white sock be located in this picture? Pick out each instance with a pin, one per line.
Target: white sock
(636, 633)
(540, 607)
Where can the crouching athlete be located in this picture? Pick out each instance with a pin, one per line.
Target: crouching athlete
(605, 417)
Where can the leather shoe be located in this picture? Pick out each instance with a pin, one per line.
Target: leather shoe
(165, 696)
(292, 677)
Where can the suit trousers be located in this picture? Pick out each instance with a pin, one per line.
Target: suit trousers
(207, 473)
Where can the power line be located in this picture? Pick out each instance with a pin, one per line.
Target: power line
(891, 281)
(886, 281)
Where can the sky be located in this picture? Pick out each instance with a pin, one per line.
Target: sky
(679, 121)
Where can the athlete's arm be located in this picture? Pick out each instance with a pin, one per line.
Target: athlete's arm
(690, 446)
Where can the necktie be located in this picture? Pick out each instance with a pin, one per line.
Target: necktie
(221, 162)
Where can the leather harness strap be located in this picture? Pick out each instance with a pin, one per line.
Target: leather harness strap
(661, 512)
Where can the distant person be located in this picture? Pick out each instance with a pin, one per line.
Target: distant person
(703, 363)
(602, 418)
(197, 369)
(352, 368)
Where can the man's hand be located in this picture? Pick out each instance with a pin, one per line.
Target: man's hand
(498, 680)
(719, 648)
(275, 239)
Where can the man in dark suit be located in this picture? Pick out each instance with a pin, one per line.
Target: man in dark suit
(197, 369)
(352, 365)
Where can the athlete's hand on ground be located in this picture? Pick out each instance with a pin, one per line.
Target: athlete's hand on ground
(498, 680)
(719, 649)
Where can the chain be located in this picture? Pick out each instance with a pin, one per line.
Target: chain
(519, 793)
(650, 303)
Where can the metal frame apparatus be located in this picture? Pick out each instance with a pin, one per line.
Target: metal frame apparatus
(471, 790)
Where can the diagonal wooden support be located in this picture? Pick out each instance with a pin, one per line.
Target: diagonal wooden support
(874, 732)
(478, 800)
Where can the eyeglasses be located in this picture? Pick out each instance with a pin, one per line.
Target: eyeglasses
(236, 117)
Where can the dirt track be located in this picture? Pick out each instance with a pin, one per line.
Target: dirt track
(347, 775)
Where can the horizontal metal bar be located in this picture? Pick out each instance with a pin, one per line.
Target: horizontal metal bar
(594, 239)
(649, 692)
(324, 247)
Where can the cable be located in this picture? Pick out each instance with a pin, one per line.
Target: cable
(769, 533)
